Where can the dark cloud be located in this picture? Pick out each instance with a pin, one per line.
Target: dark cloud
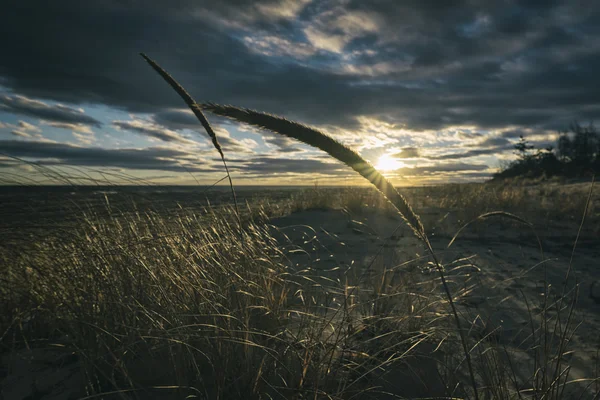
(490, 145)
(494, 145)
(89, 54)
(451, 167)
(151, 130)
(513, 133)
(177, 119)
(72, 127)
(466, 154)
(283, 144)
(407, 152)
(494, 142)
(486, 148)
(64, 154)
(71, 52)
(21, 105)
(423, 64)
(272, 166)
(466, 134)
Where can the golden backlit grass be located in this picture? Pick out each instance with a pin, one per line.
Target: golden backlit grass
(175, 305)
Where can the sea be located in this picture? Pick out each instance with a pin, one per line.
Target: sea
(36, 205)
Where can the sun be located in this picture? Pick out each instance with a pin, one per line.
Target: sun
(388, 163)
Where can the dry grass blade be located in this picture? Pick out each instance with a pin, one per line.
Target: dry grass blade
(502, 214)
(197, 112)
(188, 100)
(328, 144)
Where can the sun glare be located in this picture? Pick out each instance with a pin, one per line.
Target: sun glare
(388, 163)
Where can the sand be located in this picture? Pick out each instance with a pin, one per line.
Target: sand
(503, 261)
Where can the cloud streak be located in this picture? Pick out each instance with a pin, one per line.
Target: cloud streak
(21, 105)
(152, 131)
(156, 158)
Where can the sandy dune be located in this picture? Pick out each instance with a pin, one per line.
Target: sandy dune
(503, 262)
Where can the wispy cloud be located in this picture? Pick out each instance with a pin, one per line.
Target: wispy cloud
(26, 126)
(151, 130)
(232, 144)
(155, 158)
(22, 134)
(58, 113)
(274, 46)
(81, 128)
(280, 165)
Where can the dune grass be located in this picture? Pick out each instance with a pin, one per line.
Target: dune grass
(148, 303)
(157, 305)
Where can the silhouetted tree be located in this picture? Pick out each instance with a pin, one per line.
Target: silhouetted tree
(564, 147)
(577, 154)
(522, 148)
(584, 146)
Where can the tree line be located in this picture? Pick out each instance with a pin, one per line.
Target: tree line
(576, 154)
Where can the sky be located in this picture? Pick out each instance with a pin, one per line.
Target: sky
(428, 91)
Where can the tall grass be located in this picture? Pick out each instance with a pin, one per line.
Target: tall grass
(352, 159)
(161, 305)
(172, 306)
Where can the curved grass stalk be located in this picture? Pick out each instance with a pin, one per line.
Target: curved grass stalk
(200, 115)
(328, 144)
(352, 159)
